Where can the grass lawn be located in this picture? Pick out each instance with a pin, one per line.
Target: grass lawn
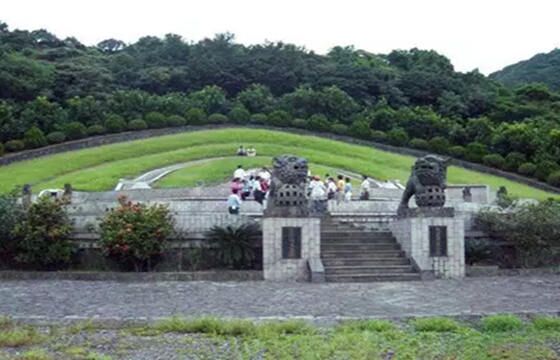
(100, 168)
(492, 338)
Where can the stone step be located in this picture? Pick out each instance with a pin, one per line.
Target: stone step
(377, 254)
(330, 241)
(365, 261)
(372, 278)
(359, 246)
(373, 270)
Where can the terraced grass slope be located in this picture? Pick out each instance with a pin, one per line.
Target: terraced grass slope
(101, 168)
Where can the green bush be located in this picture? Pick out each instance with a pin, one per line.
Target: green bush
(176, 121)
(554, 179)
(501, 323)
(43, 236)
(318, 122)
(279, 118)
(75, 130)
(259, 119)
(545, 168)
(366, 325)
(339, 129)
(155, 120)
(195, 116)
(56, 137)
(435, 324)
(10, 214)
(217, 118)
(360, 129)
(397, 137)
(379, 136)
(115, 124)
(34, 138)
(235, 246)
(547, 323)
(527, 169)
(439, 145)
(135, 233)
(299, 123)
(137, 124)
(419, 144)
(14, 145)
(514, 160)
(95, 130)
(494, 160)
(475, 152)
(239, 115)
(457, 151)
(1, 149)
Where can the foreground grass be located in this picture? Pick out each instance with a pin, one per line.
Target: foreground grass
(492, 338)
(100, 168)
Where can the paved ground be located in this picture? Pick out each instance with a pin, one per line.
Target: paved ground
(114, 300)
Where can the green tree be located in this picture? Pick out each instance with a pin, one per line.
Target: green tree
(34, 138)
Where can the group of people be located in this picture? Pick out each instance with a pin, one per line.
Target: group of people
(251, 151)
(246, 184)
(339, 189)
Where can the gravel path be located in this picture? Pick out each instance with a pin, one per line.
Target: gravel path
(59, 300)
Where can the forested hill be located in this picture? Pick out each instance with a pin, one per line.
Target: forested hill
(541, 68)
(52, 90)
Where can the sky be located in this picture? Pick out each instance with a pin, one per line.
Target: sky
(475, 34)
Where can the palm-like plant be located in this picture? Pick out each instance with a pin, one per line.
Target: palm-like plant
(235, 245)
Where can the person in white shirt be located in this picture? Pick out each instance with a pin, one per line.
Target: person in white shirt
(364, 188)
(234, 203)
(239, 173)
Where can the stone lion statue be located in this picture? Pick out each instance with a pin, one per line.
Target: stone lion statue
(427, 183)
(288, 185)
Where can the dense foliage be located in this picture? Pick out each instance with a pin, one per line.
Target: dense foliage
(541, 68)
(42, 236)
(534, 230)
(10, 214)
(135, 233)
(50, 86)
(235, 246)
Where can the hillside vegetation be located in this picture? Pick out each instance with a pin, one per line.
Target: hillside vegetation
(541, 68)
(53, 90)
(101, 168)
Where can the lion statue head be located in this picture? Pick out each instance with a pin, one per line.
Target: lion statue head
(290, 169)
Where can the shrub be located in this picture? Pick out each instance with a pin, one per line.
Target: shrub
(397, 137)
(115, 123)
(527, 169)
(366, 325)
(75, 130)
(475, 151)
(457, 151)
(259, 119)
(554, 179)
(439, 144)
(501, 323)
(176, 121)
(493, 160)
(339, 128)
(10, 214)
(137, 124)
(545, 168)
(299, 123)
(435, 324)
(234, 245)
(239, 115)
(195, 116)
(547, 323)
(34, 138)
(155, 120)
(514, 160)
(135, 233)
(217, 118)
(279, 118)
(1, 149)
(14, 145)
(43, 235)
(360, 129)
(94, 130)
(319, 122)
(56, 137)
(379, 136)
(419, 144)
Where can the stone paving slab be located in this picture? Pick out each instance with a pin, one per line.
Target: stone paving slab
(59, 300)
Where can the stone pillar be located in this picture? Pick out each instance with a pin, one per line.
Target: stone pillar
(292, 249)
(26, 196)
(434, 239)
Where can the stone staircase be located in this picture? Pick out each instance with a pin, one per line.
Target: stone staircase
(354, 254)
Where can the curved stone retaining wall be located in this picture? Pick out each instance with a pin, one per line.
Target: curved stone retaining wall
(144, 134)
